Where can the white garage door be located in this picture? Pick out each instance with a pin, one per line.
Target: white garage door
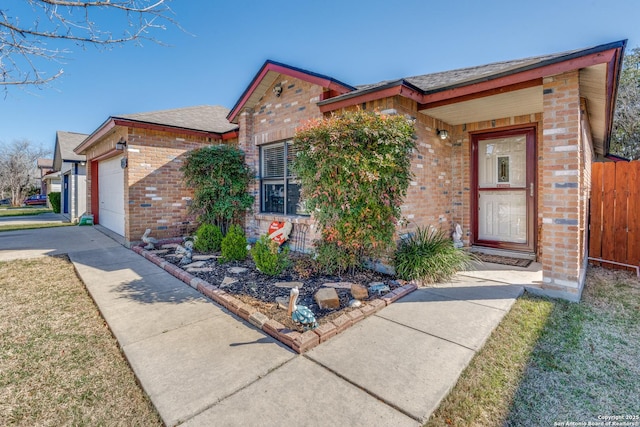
(111, 194)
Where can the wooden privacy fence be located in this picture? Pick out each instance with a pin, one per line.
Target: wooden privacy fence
(614, 229)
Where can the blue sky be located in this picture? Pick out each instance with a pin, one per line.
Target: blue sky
(357, 42)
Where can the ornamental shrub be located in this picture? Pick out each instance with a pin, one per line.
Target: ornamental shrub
(268, 257)
(54, 199)
(428, 255)
(234, 245)
(355, 169)
(220, 181)
(208, 238)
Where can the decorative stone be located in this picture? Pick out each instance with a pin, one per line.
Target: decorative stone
(379, 288)
(204, 257)
(237, 270)
(338, 285)
(159, 251)
(196, 264)
(289, 285)
(179, 256)
(327, 298)
(227, 281)
(283, 302)
(355, 303)
(169, 246)
(359, 291)
(200, 269)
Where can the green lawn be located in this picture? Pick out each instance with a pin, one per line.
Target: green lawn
(59, 363)
(552, 361)
(13, 227)
(21, 211)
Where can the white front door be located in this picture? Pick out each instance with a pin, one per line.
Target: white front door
(111, 194)
(504, 189)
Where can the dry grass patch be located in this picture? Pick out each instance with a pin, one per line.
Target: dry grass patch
(59, 363)
(552, 361)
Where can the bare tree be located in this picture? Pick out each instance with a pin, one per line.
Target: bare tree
(625, 139)
(18, 170)
(36, 33)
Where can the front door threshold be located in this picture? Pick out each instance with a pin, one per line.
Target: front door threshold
(504, 252)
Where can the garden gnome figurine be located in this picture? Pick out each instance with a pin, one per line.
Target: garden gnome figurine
(457, 237)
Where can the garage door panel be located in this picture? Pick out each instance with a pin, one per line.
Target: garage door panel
(111, 194)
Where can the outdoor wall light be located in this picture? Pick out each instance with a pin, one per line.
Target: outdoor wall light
(442, 133)
(120, 145)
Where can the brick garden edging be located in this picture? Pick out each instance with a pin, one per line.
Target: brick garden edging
(299, 342)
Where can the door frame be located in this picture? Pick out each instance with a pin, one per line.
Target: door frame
(531, 133)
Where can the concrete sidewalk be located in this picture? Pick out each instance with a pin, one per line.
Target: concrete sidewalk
(203, 366)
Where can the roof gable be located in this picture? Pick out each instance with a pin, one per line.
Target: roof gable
(268, 74)
(66, 142)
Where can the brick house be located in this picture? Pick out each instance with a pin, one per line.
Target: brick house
(504, 149)
(133, 175)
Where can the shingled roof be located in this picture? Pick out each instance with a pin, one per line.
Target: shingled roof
(439, 81)
(207, 118)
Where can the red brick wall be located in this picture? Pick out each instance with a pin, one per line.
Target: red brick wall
(155, 194)
(563, 176)
(275, 119)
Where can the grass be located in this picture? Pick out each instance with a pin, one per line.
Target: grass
(555, 362)
(22, 211)
(59, 363)
(14, 227)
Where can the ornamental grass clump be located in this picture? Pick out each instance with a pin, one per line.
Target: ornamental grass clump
(428, 256)
(268, 257)
(208, 238)
(234, 245)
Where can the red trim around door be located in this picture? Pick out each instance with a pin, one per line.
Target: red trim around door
(476, 137)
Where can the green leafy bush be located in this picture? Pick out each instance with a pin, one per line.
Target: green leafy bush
(220, 180)
(355, 169)
(268, 258)
(234, 245)
(54, 199)
(208, 238)
(428, 255)
(334, 259)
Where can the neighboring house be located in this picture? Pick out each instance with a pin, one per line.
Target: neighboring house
(72, 168)
(45, 167)
(503, 149)
(133, 176)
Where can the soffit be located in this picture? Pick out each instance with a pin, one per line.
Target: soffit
(593, 87)
(262, 87)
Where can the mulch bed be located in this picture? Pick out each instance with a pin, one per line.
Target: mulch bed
(252, 295)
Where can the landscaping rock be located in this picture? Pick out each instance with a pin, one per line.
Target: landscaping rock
(283, 302)
(355, 303)
(290, 285)
(159, 251)
(204, 257)
(339, 285)
(237, 270)
(169, 246)
(359, 291)
(327, 298)
(379, 288)
(227, 281)
(197, 264)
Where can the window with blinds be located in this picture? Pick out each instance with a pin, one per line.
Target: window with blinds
(279, 191)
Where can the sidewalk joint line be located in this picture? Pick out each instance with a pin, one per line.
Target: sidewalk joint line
(426, 333)
(370, 393)
(206, 408)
